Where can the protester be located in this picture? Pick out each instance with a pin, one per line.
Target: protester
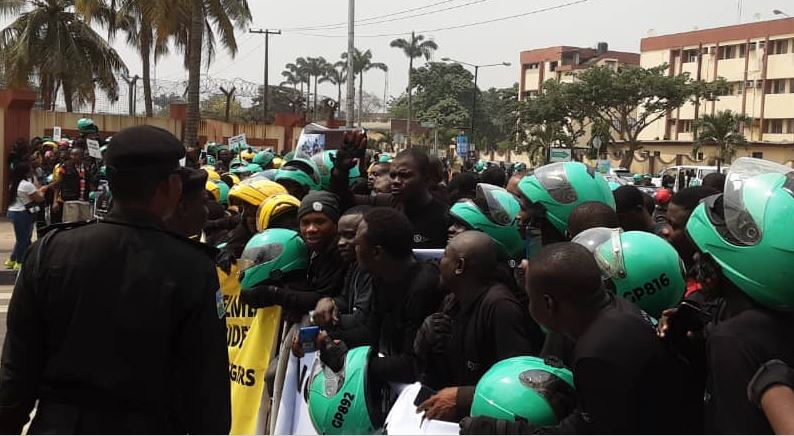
(406, 291)
(770, 390)
(494, 176)
(462, 186)
(591, 214)
(25, 199)
(379, 178)
(127, 292)
(714, 180)
(74, 185)
(191, 213)
(481, 323)
(630, 204)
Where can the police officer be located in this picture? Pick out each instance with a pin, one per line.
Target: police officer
(117, 326)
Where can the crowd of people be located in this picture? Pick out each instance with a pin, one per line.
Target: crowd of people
(551, 303)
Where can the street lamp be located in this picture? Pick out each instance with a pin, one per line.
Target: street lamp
(474, 92)
(779, 12)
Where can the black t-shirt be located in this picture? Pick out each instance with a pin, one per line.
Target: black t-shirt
(736, 348)
(627, 380)
(430, 223)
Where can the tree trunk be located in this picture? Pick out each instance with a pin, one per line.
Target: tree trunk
(46, 87)
(194, 73)
(314, 112)
(628, 157)
(410, 88)
(308, 97)
(360, 97)
(146, 44)
(68, 94)
(339, 100)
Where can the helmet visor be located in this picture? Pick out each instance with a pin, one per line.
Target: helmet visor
(593, 238)
(611, 261)
(497, 199)
(738, 220)
(253, 256)
(555, 180)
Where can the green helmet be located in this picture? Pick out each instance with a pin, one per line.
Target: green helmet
(271, 254)
(745, 230)
(644, 268)
(384, 158)
(325, 164)
(224, 191)
(301, 171)
(479, 166)
(561, 186)
(263, 158)
(637, 178)
(237, 163)
(343, 402)
(269, 174)
(211, 159)
(86, 125)
(253, 168)
(289, 156)
(212, 148)
(525, 387)
(519, 167)
(613, 185)
(103, 171)
(495, 216)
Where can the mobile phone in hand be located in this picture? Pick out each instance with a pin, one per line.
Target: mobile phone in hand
(306, 337)
(424, 393)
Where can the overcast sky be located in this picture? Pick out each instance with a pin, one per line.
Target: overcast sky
(621, 23)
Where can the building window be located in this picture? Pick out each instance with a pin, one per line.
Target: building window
(779, 46)
(612, 65)
(742, 50)
(791, 86)
(533, 66)
(777, 86)
(790, 126)
(774, 126)
(657, 154)
(758, 155)
(686, 126)
(690, 55)
(728, 52)
(700, 155)
(553, 66)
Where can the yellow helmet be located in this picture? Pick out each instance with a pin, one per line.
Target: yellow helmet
(247, 155)
(273, 207)
(235, 179)
(211, 173)
(214, 189)
(255, 191)
(277, 162)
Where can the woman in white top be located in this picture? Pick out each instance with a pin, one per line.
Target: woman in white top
(24, 197)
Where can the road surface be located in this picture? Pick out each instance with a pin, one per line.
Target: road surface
(5, 297)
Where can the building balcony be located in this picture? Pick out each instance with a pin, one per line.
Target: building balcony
(779, 106)
(780, 66)
(731, 69)
(778, 137)
(731, 103)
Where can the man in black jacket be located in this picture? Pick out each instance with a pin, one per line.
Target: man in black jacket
(117, 327)
(406, 291)
(481, 324)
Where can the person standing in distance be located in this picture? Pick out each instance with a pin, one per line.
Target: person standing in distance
(117, 326)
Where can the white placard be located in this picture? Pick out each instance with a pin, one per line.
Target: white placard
(239, 140)
(182, 161)
(93, 148)
(56, 133)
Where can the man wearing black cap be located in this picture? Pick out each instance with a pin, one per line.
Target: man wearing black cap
(191, 213)
(117, 326)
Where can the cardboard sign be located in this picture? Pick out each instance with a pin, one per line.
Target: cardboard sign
(93, 148)
(56, 133)
(238, 141)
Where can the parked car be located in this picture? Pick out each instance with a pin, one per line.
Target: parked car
(679, 177)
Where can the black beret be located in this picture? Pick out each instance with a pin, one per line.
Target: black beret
(144, 146)
(193, 180)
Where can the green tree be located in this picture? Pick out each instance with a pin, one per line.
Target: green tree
(496, 117)
(723, 130)
(630, 99)
(280, 99)
(337, 76)
(50, 40)
(417, 47)
(214, 107)
(362, 62)
(315, 68)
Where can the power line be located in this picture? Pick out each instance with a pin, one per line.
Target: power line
(374, 17)
(460, 26)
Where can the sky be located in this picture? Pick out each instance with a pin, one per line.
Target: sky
(544, 23)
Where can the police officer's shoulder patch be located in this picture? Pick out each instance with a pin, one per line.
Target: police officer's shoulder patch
(219, 306)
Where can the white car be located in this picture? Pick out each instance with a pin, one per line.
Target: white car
(684, 176)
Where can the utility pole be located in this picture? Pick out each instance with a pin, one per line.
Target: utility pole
(473, 103)
(351, 93)
(265, 103)
(131, 92)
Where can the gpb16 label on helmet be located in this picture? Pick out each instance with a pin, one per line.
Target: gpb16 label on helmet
(648, 289)
(342, 409)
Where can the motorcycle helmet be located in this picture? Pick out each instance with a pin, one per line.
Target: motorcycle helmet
(263, 158)
(254, 191)
(211, 173)
(494, 212)
(213, 189)
(644, 269)
(86, 125)
(301, 171)
(540, 392)
(560, 187)
(271, 254)
(745, 230)
(233, 177)
(345, 402)
(274, 207)
(325, 164)
(479, 166)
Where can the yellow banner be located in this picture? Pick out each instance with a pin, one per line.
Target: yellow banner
(251, 336)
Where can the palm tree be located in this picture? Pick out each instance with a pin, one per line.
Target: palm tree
(336, 75)
(193, 25)
(315, 67)
(50, 40)
(415, 48)
(362, 62)
(723, 130)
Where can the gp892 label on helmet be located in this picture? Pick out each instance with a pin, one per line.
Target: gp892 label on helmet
(342, 409)
(648, 289)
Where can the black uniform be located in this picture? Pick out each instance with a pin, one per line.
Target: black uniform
(356, 313)
(736, 348)
(115, 327)
(487, 326)
(400, 308)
